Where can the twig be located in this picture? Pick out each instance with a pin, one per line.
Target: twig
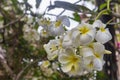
(51, 14)
(12, 22)
(22, 71)
(110, 20)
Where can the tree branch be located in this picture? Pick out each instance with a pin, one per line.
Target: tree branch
(115, 14)
(12, 22)
(7, 68)
(65, 10)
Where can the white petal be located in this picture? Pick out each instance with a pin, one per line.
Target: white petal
(67, 67)
(86, 52)
(44, 33)
(98, 24)
(98, 65)
(64, 20)
(90, 67)
(75, 34)
(63, 58)
(108, 33)
(76, 38)
(46, 48)
(85, 39)
(103, 37)
(92, 33)
(75, 70)
(67, 42)
(52, 55)
(70, 51)
(55, 31)
(98, 47)
(51, 49)
(87, 60)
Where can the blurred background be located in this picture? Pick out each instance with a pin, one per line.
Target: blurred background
(21, 45)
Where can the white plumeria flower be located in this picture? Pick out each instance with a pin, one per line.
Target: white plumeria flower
(84, 33)
(57, 27)
(93, 56)
(88, 63)
(63, 20)
(99, 51)
(56, 31)
(103, 35)
(51, 49)
(70, 62)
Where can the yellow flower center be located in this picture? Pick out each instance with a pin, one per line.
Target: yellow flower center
(58, 23)
(60, 46)
(102, 29)
(53, 48)
(45, 22)
(73, 68)
(97, 55)
(84, 30)
(74, 59)
(91, 64)
(91, 45)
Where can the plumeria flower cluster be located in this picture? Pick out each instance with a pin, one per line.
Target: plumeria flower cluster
(53, 28)
(80, 49)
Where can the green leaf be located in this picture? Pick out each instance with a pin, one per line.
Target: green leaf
(102, 6)
(76, 17)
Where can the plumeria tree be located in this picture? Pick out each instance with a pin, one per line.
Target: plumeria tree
(36, 47)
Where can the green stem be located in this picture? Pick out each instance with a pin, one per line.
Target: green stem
(104, 11)
(100, 14)
(108, 5)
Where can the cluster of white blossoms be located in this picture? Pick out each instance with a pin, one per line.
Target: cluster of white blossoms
(78, 50)
(30, 33)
